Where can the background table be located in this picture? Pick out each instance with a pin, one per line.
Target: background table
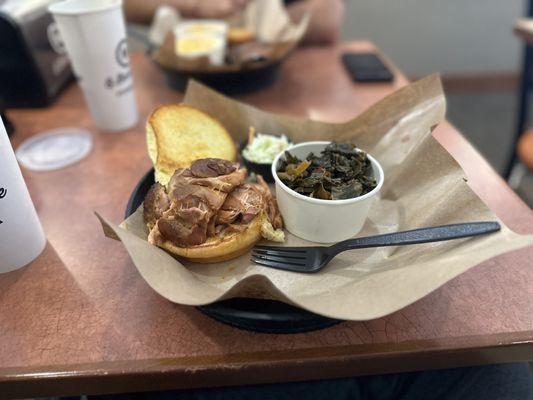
(80, 319)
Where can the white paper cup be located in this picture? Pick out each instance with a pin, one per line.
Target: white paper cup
(95, 37)
(21, 235)
(323, 221)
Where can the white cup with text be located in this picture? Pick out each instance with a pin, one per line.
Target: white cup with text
(21, 235)
(94, 34)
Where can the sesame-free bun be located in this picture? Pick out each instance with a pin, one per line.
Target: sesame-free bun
(240, 35)
(217, 248)
(178, 134)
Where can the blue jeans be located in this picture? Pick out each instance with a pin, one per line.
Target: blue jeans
(500, 381)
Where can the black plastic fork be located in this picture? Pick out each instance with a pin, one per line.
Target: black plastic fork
(313, 259)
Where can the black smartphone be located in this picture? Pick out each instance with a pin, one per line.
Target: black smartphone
(366, 67)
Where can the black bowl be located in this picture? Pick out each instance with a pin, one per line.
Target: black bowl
(265, 170)
(230, 83)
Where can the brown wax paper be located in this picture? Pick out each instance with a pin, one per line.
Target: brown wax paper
(277, 35)
(423, 187)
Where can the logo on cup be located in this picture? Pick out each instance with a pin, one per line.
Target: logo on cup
(121, 53)
(117, 80)
(55, 39)
(120, 78)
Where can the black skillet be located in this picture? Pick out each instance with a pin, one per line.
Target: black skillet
(230, 83)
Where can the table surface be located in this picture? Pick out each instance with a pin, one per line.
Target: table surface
(80, 319)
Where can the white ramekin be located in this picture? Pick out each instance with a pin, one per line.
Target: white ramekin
(317, 220)
(215, 54)
(214, 29)
(202, 27)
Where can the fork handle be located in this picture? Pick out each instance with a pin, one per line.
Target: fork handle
(415, 236)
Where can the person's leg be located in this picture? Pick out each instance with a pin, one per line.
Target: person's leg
(499, 381)
(347, 389)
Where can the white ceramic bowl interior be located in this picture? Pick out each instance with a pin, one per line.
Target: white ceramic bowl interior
(323, 221)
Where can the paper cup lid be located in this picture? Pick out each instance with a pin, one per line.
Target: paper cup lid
(54, 149)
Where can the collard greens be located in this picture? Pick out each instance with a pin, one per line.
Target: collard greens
(341, 171)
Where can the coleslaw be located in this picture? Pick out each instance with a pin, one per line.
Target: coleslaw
(264, 148)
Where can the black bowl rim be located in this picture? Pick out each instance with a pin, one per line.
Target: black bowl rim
(197, 72)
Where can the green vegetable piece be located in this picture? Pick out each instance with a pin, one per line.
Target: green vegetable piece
(348, 190)
(341, 171)
(321, 193)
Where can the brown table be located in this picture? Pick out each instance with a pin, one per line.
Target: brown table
(80, 319)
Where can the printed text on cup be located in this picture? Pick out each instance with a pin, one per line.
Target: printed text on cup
(118, 80)
(3, 193)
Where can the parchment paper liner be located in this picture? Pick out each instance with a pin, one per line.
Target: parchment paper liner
(424, 186)
(273, 26)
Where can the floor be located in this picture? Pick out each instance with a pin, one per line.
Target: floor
(487, 119)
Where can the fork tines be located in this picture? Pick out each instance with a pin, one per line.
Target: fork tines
(280, 257)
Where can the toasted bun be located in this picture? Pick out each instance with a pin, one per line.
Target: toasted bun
(217, 248)
(240, 35)
(178, 134)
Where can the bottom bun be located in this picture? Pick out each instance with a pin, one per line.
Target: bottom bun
(240, 35)
(220, 248)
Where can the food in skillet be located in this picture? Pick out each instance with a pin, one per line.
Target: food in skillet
(341, 171)
(208, 213)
